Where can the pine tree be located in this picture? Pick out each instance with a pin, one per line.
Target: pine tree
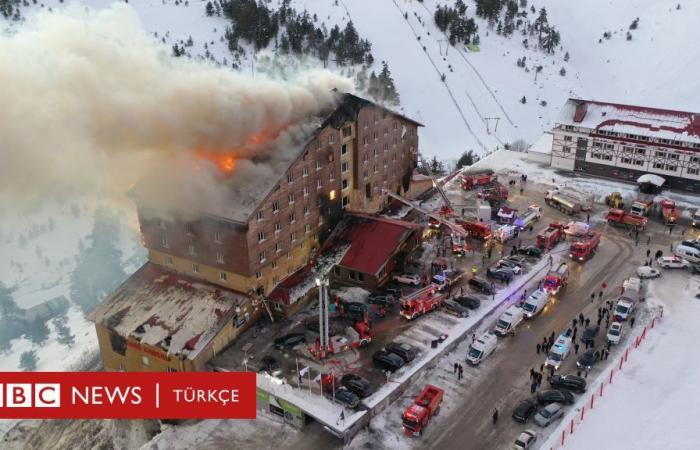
(566, 56)
(634, 24)
(562, 72)
(28, 361)
(209, 9)
(468, 158)
(8, 306)
(65, 337)
(523, 100)
(387, 90)
(38, 332)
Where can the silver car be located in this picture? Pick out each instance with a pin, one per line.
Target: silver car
(525, 441)
(547, 415)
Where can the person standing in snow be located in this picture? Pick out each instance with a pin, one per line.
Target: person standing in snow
(494, 417)
(538, 348)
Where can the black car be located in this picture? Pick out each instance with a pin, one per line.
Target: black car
(509, 264)
(396, 293)
(555, 396)
(346, 397)
(404, 351)
(289, 340)
(517, 259)
(503, 275)
(481, 285)
(568, 382)
(354, 308)
(270, 365)
(468, 301)
(454, 308)
(588, 359)
(360, 386)
(531, 251)
(524, 410)
(385, 360)
(382, 300)
(589, 333)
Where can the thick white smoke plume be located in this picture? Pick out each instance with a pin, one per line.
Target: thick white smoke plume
(89, 101)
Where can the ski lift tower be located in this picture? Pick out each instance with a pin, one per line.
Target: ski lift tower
(323, 328)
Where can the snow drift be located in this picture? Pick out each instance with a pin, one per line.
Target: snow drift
(91, 102)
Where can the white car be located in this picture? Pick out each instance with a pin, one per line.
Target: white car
(648, 272)
(672, 262)
(614, 333)
(525, 441)
(407, 278)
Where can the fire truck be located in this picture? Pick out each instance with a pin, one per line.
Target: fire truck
(459, 244)
(641, 207)
(556, 278)
(494, 195)
(621, 218)
(551, 236)
(584, 247)
(357, 336)
(533, 213)
(562, 202)
(471, 181)
(478, 230)
(418, 415)
(421, 302)
(669, 212)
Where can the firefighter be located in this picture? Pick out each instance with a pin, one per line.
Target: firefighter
(474, 270)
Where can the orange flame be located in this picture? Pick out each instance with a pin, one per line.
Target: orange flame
(226, 162)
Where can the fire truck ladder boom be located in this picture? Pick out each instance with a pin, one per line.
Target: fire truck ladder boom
(457, 229)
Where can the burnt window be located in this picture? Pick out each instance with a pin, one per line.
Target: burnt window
(118, 343)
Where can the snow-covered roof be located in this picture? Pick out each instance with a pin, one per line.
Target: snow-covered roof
(165, 309)
(651, 178)
(627, 119)
(543, 144)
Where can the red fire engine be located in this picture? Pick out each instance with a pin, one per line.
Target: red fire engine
(556, 278)
(420, 302)
(585, 246)
(551, 236)
(418, 415)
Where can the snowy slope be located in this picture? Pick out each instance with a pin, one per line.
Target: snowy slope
(653, 404)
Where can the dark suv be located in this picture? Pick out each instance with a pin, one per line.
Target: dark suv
(555, 396)
(481, 285)
(357, 384)
(504, 275)
(524, 410)
(468, 301)
(289, 340)
(354, 308)
(405, 351)
(385, 360)
(382, 300)
(568, 382)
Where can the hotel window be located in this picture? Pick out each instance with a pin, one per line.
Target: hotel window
(306, 210)
(692, 171)
(331, 139)
(278, 227)
(365, 141)
(566, 149)
(365, 175)
(318, 165)
(568, 138)
(275, 207)
(344, 167)
(305, 171)
(375, 152)
(306, 191)
(318, 184)
(261, 236)
(346, 201)
(289, 255)
(347, 131)
(626, 160)
(364, 158)
(386, 147)
(163, 240)
(275, 280)
(627, 149)
(395, 125)
(660, 154)
(332, 176)
(220, 257)
(292, 218)
(386, 131)
(258, 274)
(375, 169)
(191, 250)
(188, 229)
(343, 149)
(292, 237)
(658, 165)
(641, 151)
(673, 156)
(274, 264)
(365, 123)
(259, 216)
(307, 228)
(145, 360)
(569, 127)
(672, 168)
(345, 184)
(168, 260)
(290, 177)
(223, 276)
(217, 236)
(195, 268)
(318, 144)
(262, 257)
(375, 135)
(291, 198)
(170, 369)
(278, 247)
(639, 162)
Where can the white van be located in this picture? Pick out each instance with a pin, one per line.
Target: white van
(509, 320)
(481, 348)
(559, 351)
(623, 309)
(688, 253)
(535, 303)
(632, 288)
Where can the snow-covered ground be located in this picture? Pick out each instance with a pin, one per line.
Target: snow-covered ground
(653, 402)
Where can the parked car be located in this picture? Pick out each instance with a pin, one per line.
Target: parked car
(672, 262)
(588, 359)
(269, 365)
(385, 360)
(615, 333)
(481, 285)
(354, 308)
(346, 397)
(531, 251)
(518, 259)
(455, 309)
(381, 299)
(525, 440)
(648, 272)
(408, 278)
(510, 265)
(555, 396)
(396, 293)
(357, 384)
(503, 275)
(524, 410)
(405, 351)
(289, 340)
(569, 382)
(548, 414)
(590, 333)
(468, 301)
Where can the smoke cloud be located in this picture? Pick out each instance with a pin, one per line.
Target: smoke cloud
(91, 103)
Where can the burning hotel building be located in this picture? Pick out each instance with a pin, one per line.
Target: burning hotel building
(208, 276)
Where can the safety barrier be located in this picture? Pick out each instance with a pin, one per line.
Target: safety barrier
(570, 423)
